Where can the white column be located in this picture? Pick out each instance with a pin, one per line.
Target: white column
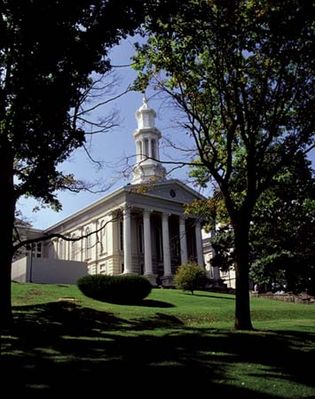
(127, 240)
(150, 147)
(199, 244)
(147, 243)
(57, 248)
(142, 157)
(166, 245)
(183, 241)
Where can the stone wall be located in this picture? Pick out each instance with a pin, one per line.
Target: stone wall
(301, 298)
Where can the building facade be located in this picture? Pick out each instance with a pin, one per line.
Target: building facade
(140, 228)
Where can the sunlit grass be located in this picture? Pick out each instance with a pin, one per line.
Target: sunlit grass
(62, 340)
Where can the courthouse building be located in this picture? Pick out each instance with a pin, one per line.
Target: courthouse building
(140, 228)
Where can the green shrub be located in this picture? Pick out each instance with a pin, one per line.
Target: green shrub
(190, 277)
(94, 285)
(127, 289)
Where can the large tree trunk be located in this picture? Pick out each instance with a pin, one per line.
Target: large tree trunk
(242, 302)
(7, 212)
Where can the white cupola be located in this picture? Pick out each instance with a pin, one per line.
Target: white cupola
(148, 166)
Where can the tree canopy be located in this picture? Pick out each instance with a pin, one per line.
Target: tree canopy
(282, 249)
(282, 231)
(49, 51)
(242, 73)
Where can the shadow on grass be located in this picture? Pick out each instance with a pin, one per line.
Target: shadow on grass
(214, 296)
(61, 348)
(149, 303)
(152, 303)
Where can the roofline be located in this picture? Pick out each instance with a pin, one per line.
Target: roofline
(87, 208)
(115, 193)
(33, 229)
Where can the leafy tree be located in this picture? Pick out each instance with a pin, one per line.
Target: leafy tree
(190, 277)
(242, 73)
(282, 232)
(49, 53)
(282, 248)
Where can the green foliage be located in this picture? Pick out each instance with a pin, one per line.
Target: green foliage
(282, 248)
(211, 210)
(46, 75)
(126, 289)
(242, 73)
(190, 277)
(282, 233)
(94, 286)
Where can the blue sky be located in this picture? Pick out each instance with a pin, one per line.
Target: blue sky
(112, 148)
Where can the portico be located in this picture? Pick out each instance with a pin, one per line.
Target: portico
(160, 243)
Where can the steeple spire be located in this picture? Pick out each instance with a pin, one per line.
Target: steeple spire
(145, 100)
(147, 136)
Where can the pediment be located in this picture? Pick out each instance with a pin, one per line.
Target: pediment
(173, 190)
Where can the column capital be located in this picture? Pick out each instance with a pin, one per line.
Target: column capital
(126, 207)
(147, 211)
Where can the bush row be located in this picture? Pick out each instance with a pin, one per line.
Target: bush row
(125, 289)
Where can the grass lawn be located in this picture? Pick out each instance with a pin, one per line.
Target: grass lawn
(174, 344)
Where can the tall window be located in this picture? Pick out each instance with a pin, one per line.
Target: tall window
(159, 253)
(88, 244)
(140, 238)
(140, 150)
(146, 147)
(153, 148)
(104, 238)
(121, 235)
(100, 240)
